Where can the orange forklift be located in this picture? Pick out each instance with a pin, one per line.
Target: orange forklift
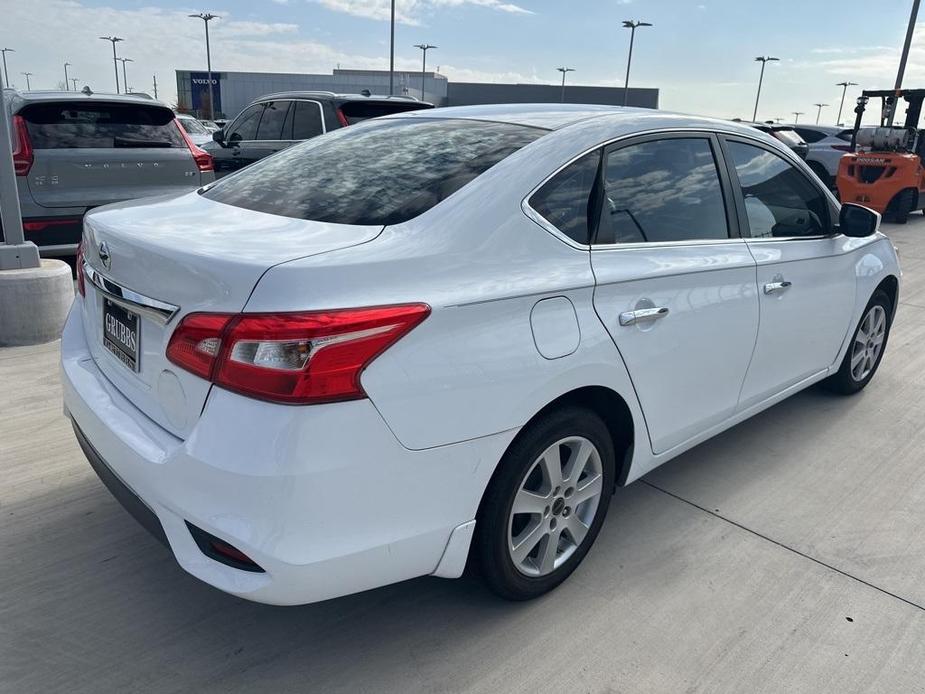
(883, 170)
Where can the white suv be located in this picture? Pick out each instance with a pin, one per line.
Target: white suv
(827, 145)
(451, 332)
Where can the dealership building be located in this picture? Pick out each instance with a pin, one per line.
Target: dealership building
(232, 91)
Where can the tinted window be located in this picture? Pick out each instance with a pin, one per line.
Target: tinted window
(356, 111)
(664, 190)
(95, 125)
(845, 135)
(193, 126)
(779, 200)
(307, 123)
(271, 123)
(565, 199)
(245, 125)
(810, 135)
(382, 173)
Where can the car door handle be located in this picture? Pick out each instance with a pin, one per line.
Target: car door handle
(774, 287)
(642, 315)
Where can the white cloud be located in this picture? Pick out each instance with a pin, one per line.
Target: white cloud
(410, 11)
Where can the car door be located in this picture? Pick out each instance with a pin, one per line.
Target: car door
(806, 283)
(675, 285)
(235, 152)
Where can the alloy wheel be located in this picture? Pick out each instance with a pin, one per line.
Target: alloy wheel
(868, 343)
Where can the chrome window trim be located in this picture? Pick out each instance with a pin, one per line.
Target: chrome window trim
(159, 311)
(535, 216)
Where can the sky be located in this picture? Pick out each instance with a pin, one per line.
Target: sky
(699, 53)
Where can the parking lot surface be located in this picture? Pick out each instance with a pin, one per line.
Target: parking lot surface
(785, 555)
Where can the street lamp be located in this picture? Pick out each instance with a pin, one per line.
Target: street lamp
(66, 80)
(74, 81)
(564, 70)
(796, 116)
(124, 78)
(115, 65)
(764, 60)
(630, 24)
(392, 51)
(819, 112)
(28, 75)
(424, 48)
(6, 77)
(844, 86)
(207, 17)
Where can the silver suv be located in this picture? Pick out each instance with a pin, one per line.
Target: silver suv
(77, 150)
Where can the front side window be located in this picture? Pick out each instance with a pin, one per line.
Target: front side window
(245, 125)
(662, 191)
(383, 172)
(779, 200)
(565, 199)
(271, 123)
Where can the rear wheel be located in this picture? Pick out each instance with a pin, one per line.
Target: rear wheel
(866, 349)
(546, 504)
(901, 205)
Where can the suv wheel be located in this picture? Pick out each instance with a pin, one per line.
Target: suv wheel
(546, 504)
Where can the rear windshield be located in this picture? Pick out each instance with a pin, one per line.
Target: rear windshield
(355, 111)
(76, 125)
(382, 173)
(788, 137)
(193, 126)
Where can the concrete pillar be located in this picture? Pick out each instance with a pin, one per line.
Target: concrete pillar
(34, 303)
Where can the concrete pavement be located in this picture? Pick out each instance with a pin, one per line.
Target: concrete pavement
(786, 555)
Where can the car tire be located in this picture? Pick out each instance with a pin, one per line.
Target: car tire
(555, 510)
(861, 362)
(901, 205)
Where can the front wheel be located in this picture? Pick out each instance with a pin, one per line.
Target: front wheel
(866, 349)
(546, 503)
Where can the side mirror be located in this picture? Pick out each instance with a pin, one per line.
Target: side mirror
(219, 137)
(858, 221)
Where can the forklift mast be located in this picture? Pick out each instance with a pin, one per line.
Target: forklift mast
(888, 100)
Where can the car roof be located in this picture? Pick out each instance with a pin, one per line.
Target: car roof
(300, 94)
(18, 99)
(827, 129)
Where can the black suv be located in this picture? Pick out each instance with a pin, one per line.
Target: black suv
(276, 121)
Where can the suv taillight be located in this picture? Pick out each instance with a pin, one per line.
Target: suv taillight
(202, 158)
(294, 358)
(22, 147)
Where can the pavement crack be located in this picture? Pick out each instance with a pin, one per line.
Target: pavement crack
(784, 546)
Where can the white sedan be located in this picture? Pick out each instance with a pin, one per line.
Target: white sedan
(448, 335)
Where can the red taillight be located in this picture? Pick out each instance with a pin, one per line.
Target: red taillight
(297, 358)
(41, 224)
(81, 286)
(22, 147)
(342, 119)
(202, 158)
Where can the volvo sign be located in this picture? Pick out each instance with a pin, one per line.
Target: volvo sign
(199, 92)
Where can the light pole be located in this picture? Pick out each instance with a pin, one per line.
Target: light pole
(28, 75)
(74, 80)
(392, 51)
(764, 60)
(819, 112)
(124, 78)
(6, 77)
(424, 48)
(207, 17)
(66, 80)
(630, 24)
(564, 70)
(115, 66)
(844, 86)
(796, 116)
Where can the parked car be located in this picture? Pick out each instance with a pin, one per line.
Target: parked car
(74, 151)
(784, 133)
(827, 145)
(195, 130)
(440, 332)
(277, 121)
(211, 125)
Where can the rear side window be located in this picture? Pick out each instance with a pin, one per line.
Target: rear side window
(810, 136)
(307, 120)
(381, 173)
(845, 135)
(662, 191)
(565, 200)
(77, 125)
(356, 111)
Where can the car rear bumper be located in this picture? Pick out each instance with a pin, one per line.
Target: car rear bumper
(323, 498)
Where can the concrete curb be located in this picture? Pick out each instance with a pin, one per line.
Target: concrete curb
(34, 303)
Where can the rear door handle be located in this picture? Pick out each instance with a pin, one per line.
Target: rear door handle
(643, 315)
(775, 287)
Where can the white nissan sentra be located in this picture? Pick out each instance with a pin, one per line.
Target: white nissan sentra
(449, 335)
